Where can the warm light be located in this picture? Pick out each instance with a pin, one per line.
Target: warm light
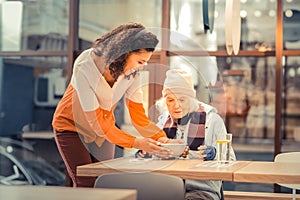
(11, 20)
(9, 149)
(292, 72)
(216, 14)
(272, 13)
(257, 13)
(283, 61)
(288, 13)
(243, 13)
(185, 19)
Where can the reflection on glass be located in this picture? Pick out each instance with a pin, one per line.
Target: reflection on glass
(97, 17)
(30, 90)
(34, 25)
(258, 26)
(291, 99)
(11, 25)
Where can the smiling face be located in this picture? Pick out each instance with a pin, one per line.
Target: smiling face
(178, 106)
(136, 61)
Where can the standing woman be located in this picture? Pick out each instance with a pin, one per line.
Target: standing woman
(84, 123)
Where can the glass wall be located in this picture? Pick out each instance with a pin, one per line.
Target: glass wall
(34, 25)
(33, 62)
(97, 17)
(248, 81)
(291, 24)
(187, 18)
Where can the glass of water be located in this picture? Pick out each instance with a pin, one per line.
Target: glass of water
(223, 149)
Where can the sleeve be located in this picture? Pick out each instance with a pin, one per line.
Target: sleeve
(141, 122)
(104, 125)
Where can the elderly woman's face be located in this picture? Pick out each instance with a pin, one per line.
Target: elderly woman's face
(178, 106)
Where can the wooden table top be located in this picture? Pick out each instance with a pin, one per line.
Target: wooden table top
(237, 171)
(186, 169)
(63, 193)
(268, 172)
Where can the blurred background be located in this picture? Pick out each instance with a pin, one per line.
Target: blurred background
(257, 91)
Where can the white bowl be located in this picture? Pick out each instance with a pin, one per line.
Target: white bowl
(177, 149)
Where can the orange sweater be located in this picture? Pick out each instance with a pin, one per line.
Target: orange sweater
(88, 104)
(99, 124)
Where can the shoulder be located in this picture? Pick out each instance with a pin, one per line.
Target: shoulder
(207, 108)
(84, 64)
(83, 55)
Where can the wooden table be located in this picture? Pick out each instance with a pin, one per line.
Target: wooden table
(238, 171)
(63, 193)
(186, 169)
(268, 172)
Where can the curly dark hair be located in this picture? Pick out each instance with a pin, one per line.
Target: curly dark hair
(117, 45)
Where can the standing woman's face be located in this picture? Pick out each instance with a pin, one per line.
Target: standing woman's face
(178, 106)
(136, 61)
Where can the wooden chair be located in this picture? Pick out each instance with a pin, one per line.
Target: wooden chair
(289, 157)
(149, 186)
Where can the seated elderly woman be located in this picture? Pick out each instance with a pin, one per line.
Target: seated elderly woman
(198, 124)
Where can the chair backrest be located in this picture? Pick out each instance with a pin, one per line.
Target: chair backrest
(149, 185)
(288, 157)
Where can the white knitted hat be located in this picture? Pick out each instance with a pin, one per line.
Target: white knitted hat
(179, 82)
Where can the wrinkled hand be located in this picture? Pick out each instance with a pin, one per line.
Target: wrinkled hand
(207, 152)
(201, 152)
(152, 147)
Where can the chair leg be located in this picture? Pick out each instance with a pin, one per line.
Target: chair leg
(294, 194)
(222, 192)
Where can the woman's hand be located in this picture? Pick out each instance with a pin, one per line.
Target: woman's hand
(152, 147)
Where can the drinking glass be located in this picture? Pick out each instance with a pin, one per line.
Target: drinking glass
(223, 149)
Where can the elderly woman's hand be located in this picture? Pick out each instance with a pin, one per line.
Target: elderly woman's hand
(142, 154)
(207, 152)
